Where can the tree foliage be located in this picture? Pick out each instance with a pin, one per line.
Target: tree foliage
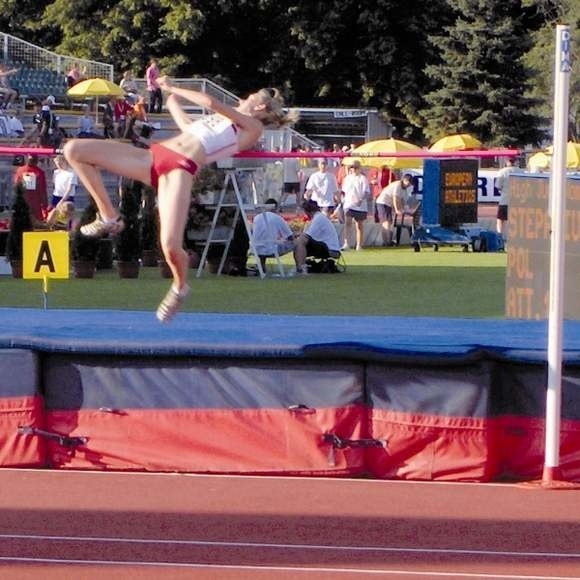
(482, 83)
(541, 56)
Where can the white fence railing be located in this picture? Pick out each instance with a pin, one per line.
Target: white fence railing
(198, 84)
(19, 52)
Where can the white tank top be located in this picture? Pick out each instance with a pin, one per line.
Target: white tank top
(218, 136)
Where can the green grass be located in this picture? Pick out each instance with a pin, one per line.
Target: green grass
(396, 282)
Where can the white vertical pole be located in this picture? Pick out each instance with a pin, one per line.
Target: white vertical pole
(557, 253)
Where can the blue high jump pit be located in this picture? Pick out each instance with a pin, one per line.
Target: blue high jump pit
(123, 333)
(387, 397)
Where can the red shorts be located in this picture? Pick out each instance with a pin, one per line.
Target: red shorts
(166, 160)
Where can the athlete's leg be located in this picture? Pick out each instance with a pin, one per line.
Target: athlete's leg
(88, 156)
(173, 202)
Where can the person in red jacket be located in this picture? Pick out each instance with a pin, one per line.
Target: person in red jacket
(122, 112)
(33, 180)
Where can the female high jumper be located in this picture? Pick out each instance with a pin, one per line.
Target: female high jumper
(171, 165)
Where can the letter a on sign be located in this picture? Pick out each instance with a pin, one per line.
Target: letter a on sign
(46, 255)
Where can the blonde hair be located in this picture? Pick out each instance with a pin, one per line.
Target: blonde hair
(276, 115)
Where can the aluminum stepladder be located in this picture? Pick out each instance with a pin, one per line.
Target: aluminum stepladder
(239, 212)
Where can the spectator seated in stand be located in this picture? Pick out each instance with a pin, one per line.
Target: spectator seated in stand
(272, 235)
(9, 95)
(138, 129)
(86, 127)
(73, 76)
(122, 114)
(13, 123)
(129, 85)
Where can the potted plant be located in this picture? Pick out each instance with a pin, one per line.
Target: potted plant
(104, 260)
(21, 222)
(149, 225)
(207, 184)
(128, 241)
(84, 249)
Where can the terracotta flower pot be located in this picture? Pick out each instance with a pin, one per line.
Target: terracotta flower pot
(16, 268)
(194, 259)
(105, 254)
(128, 269)
(84, 269)
(164, 269)
(149, 258)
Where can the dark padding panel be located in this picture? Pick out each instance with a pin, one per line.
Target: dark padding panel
(519, 405)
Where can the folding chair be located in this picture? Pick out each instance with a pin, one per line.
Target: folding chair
(413, 216)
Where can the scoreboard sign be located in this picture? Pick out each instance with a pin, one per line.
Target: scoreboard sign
(528, 248)
(450, 191)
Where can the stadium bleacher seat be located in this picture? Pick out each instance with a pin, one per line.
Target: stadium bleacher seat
(38, 83)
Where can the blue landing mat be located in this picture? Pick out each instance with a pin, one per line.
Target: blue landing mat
(270, 336)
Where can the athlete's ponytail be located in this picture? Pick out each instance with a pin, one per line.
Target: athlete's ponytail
(276, 114)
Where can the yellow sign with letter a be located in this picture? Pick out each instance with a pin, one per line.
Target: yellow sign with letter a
(45, 255)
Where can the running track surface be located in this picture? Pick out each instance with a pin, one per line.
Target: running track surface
(85, 525)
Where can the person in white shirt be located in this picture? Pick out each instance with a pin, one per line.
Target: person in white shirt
(292, 175)
(271, 232)
(322, 188)
(502, 182)
(393, 200)
(65, 182)
(129, 85)
(14, 124)
(357, 192)
(318, 240)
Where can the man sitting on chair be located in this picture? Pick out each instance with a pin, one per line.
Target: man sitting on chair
(319, 239)
(272, 235)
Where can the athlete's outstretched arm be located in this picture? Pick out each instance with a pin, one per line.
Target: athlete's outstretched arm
(181, 118)
(203, 100)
